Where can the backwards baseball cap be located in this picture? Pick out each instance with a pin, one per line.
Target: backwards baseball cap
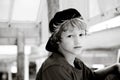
(58, 19)
(61, 16)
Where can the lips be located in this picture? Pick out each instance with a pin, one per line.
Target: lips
(77, 47)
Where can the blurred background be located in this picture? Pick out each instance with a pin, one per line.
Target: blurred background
(24, 33)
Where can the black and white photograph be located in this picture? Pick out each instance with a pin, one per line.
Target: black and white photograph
(59, 39)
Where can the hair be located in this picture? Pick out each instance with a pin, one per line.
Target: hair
(61, 22)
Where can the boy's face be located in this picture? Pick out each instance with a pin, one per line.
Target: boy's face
(71, 41)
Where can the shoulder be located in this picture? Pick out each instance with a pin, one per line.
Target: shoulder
(56, 68)
(55, 63)
(55, 72)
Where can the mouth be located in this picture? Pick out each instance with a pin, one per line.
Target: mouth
(76, 47)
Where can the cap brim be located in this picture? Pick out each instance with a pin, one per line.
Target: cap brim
(51, 46)
(48, 45)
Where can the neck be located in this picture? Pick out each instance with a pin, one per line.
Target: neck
(70, 58)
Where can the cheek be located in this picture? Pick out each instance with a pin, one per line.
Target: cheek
(65, 47)
(67, 44)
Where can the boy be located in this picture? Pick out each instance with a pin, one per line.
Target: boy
(68, 28)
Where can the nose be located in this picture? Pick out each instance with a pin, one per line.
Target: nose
(77, 40)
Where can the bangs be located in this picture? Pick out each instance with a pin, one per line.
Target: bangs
(73, 23)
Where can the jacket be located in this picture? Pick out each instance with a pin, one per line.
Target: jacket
(57, 68)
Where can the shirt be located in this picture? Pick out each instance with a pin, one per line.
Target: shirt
(57, 68)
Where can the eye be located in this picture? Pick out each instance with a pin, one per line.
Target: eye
(69, 36)
(80, 34)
